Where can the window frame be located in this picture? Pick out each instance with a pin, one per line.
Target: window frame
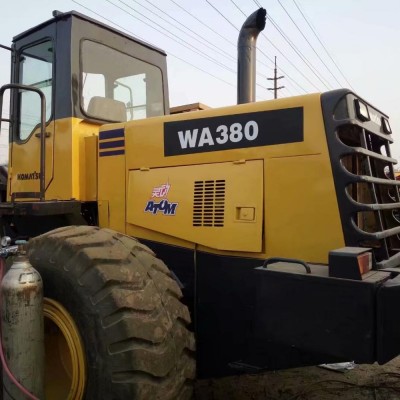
(80, 74)
(18, 80)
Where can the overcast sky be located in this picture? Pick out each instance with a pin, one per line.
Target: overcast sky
(361, 36)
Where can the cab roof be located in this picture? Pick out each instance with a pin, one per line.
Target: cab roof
(57, 15)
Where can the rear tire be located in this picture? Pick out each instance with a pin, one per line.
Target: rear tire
(127, 309)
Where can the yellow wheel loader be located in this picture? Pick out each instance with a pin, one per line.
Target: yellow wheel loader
(170, 243)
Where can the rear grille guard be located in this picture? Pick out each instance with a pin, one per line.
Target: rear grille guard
(374, 214)
(366, 190)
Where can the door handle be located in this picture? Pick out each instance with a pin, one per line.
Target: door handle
(47, 134)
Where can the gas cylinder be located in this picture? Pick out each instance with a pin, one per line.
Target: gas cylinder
(22, 328)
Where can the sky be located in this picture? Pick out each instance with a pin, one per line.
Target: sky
(200, 36)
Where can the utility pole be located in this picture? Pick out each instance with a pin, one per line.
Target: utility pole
(275, 79)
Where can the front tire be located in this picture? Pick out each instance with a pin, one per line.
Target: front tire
(127, 310)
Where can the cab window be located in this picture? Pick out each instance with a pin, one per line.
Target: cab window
(118, 87)
(36, 70)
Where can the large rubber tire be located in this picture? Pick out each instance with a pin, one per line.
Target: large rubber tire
(127, 309)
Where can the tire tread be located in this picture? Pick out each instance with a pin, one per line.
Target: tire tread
(144, 324)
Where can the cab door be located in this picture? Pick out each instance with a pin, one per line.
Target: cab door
(35, 68)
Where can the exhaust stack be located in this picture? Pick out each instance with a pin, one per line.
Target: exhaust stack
(246, 84)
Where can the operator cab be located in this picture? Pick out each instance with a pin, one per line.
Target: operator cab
(95, 64)
(90, 74)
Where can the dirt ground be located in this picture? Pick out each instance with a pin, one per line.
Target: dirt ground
(365, 382)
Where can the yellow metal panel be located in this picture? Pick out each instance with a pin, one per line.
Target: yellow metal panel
(70, 161)
(112, 183)
(145, 138)
(73, 160)
(25, 162)
(84, 153)
(89, 191)
(301, 212)
(61, 185)
(296, 208)
(104, 214)
(143, 233)
(163, 200)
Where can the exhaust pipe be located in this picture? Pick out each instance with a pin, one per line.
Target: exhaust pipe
(246, 84)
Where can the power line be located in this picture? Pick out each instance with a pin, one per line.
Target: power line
(186, 44)
(298, 52)
(239, 7)
(202, 70)
(292, 64)
(171, 35)
(222, 15)
(288, 90)
(112, 22)
(134, 34)
(212, 30)
(192, 49)
(286, 74)
(197, 37)
(219, 49)
(276, 48)
(258, 73)
(305, 38)
(173, 55)
(265, 55)
(317, 36)
(201, 22)
(303, 58)
(201, 53)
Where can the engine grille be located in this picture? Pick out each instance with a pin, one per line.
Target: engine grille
(209, 203)
(372, 192)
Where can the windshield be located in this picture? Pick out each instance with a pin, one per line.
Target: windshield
(118, 87)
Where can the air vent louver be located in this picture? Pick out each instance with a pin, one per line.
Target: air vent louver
(209, 203)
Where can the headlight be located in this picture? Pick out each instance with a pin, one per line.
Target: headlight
(361, 110)
(386, 126)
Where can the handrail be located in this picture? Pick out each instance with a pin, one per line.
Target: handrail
(274, 260)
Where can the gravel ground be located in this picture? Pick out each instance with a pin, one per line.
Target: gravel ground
(365, 382)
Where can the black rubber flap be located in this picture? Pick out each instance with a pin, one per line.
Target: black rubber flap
(388, 320)
(323, 318)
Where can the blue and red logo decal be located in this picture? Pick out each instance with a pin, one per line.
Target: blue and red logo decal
(159, 202)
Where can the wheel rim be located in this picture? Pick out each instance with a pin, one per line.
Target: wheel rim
(65, 369)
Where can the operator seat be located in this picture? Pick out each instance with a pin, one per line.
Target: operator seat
(108, 109)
